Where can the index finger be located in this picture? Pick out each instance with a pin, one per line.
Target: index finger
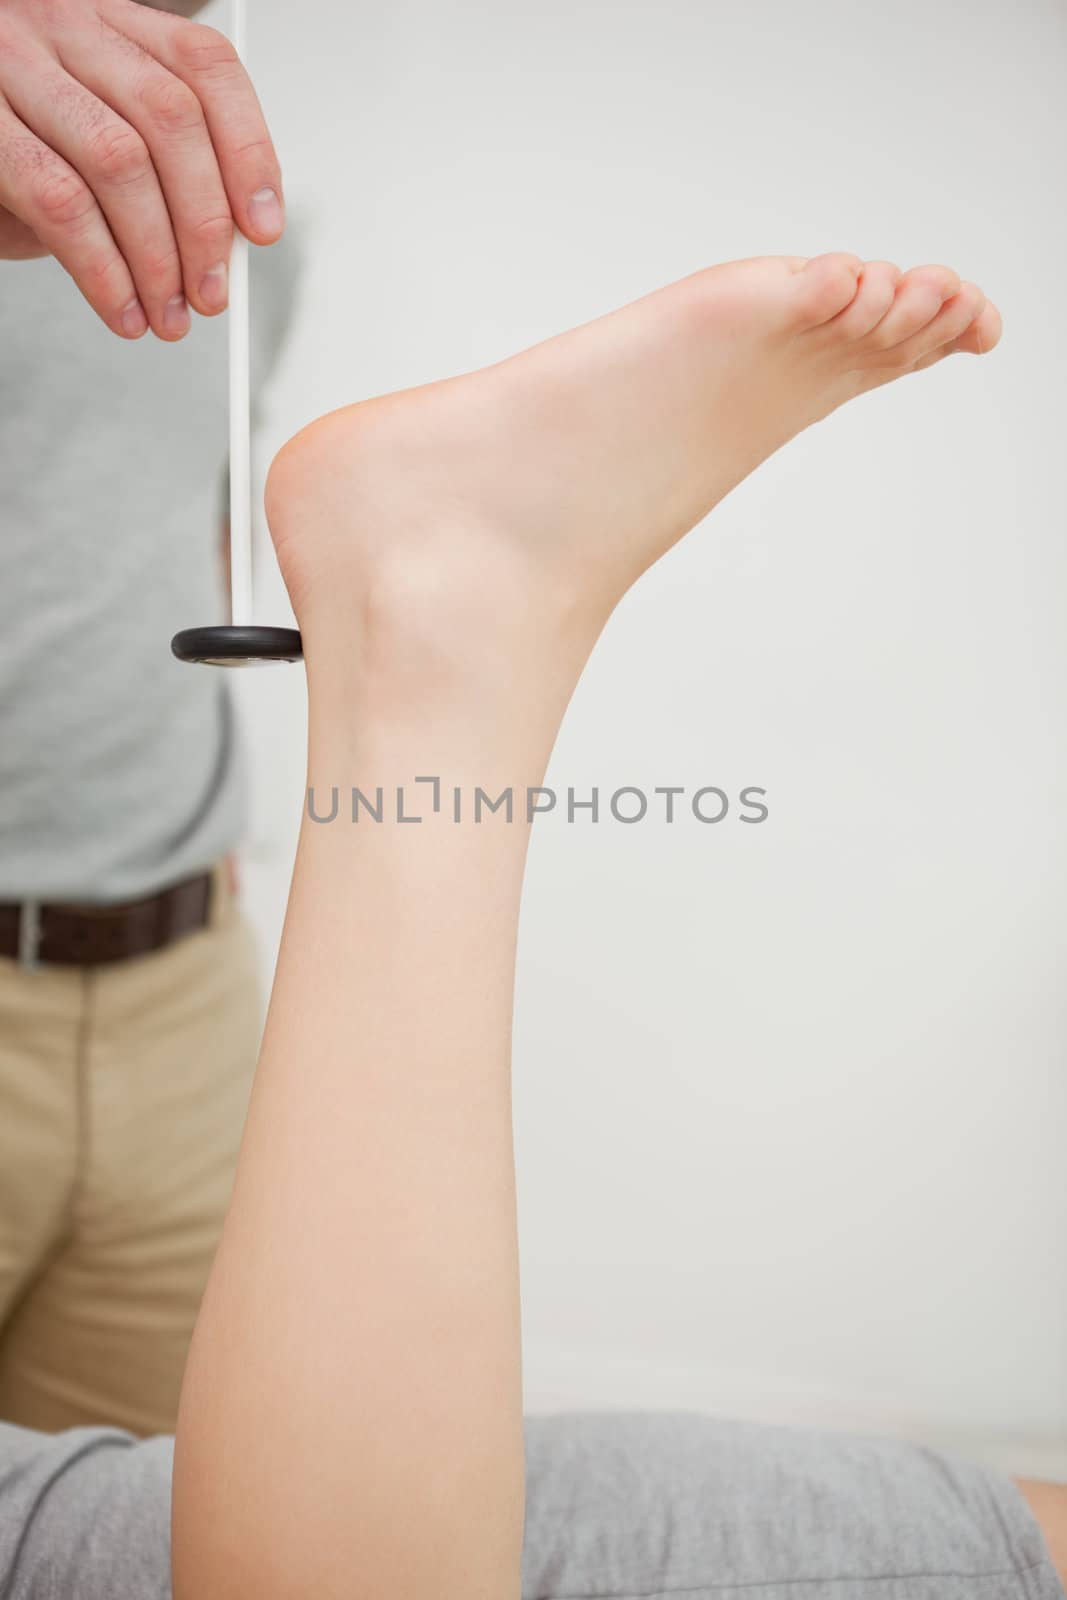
(207, 63)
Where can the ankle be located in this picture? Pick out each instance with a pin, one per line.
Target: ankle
(410, 600)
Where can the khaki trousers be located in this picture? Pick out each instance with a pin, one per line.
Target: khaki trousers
(123, 1092)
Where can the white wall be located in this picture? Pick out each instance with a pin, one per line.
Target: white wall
(790, 1100)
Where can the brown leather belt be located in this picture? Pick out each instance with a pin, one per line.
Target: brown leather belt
(93, 936)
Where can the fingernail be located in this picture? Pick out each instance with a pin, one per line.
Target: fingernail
(133, 320)
(213, 286)
(265, 211)
(175, 315)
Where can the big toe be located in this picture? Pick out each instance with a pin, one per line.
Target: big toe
(873, 298)
(824, 286)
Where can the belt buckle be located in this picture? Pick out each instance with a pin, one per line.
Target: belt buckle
(29, 946)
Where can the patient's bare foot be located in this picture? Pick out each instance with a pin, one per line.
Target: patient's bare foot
(509, 509)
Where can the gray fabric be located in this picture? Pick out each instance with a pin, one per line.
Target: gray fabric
(621, 1506)
(120, 768)
(84, 1515)
(643, 1505)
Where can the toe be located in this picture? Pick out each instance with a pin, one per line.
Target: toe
(873, 298)
(944, 279)
(950, 323)
(983, 333)
(824, 286)
(919, 297)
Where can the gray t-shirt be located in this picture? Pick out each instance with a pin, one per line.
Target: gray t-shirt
(120, 768)
(618, 1504)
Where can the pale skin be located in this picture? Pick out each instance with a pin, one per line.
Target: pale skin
(132, 145)
(351, 1422)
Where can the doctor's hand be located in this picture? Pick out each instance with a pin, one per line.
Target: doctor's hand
(131, 145)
